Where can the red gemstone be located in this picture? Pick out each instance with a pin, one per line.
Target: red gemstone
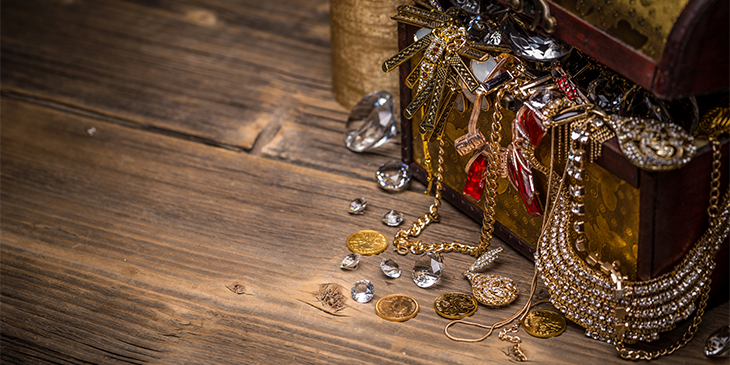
(475, 181)
(520, 175)
(529, 125)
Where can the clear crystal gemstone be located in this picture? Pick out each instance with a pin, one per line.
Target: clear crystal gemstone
(363, 291)
(350, 261)
(532, 45)
(390, 268)
(393, 218)
(358, 206)
(393, 176)
(371, 123)
(428, 269)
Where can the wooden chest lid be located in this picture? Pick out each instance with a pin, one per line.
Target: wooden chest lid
(674, 49)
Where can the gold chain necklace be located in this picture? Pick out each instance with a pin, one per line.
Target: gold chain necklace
(402, 241)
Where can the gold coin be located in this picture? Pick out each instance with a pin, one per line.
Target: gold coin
(396, 307)
(455, 305)
(544, 323)
(367, 242)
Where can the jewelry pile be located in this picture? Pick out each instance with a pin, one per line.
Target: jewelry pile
(486, 56)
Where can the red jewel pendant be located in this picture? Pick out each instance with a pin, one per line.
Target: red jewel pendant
(528, 126)
(475, 181)
(520, 175)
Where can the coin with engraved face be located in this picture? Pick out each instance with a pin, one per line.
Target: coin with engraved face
(455, 305)
(367, 242)
(544, 323)
(396, 307)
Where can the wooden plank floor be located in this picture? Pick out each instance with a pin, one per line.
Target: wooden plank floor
(174, 188)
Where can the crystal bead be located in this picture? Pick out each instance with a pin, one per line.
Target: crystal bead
(358, 206)
(390, 268)
(350, 261)
(578, 134)
(362, 291)
(393, 218)
(372, 122)
(428, 269)
(577, 208)
(576, 156)
(393, 176)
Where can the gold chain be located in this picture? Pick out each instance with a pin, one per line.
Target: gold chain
(713, 210)
(401, 241)
(403, 245)
(515, 340)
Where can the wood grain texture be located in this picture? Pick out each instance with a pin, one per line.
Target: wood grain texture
(217, 70)
(120, 243)
(118, 247)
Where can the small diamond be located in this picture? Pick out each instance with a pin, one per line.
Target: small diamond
(350, 261)
(393, 176)
(358, 206)
(390, 268)
(363, 291)
(427, 269)
(393, 218)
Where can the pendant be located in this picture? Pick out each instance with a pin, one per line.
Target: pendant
(520, 175)
(491, 290)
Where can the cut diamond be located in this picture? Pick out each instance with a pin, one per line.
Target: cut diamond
(363, 291)
(393, 218)
(350, 261)
(358, 206)
(718, 343)
(390, 268)
(428, 269)
(371, 123)
(532, 45)
(393, 176)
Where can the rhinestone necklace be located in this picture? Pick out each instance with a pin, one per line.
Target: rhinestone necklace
(593, 294)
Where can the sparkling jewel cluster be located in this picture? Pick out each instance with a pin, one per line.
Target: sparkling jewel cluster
(609, 307)
(653, 145)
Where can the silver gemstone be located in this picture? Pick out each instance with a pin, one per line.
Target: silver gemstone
(363, 291)
(428, 269)
(532, 45)
(390, 268)
(485, 260)
(470, 6)
(372, 122)
(358, 206)
(393, 218)
(393, 176)
(717, 343)
(350, 261)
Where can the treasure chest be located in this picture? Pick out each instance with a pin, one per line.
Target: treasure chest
(645, 219)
